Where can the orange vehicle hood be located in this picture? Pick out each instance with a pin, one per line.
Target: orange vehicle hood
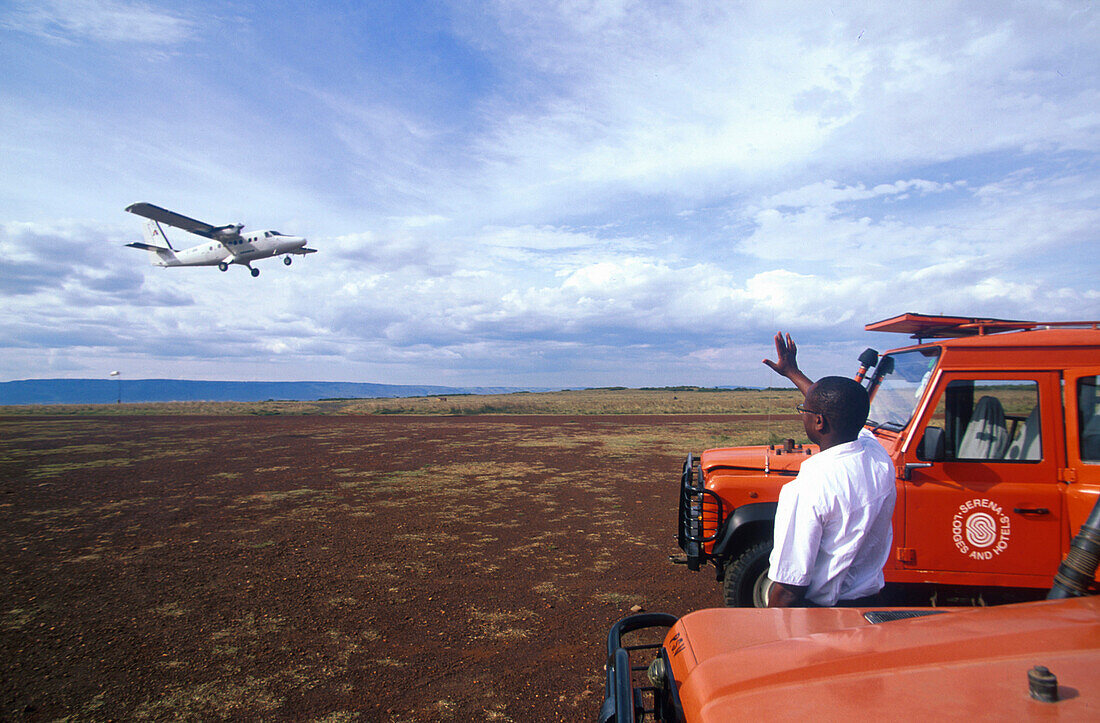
(832, 664)
(764, 458)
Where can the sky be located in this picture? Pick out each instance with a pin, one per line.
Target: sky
(553, 194)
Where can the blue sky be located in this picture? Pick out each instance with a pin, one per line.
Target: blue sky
(572, 193)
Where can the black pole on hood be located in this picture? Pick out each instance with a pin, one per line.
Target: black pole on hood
(1078, 569)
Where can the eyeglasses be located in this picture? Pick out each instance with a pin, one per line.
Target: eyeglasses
(802, 410)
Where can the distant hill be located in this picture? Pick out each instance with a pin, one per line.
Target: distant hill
(108, 391)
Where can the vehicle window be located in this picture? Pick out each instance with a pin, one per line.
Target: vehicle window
(1088, 418)
(985, 420)
(899, 382)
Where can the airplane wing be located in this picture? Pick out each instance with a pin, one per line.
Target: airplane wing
(156, 213)
(303, 251)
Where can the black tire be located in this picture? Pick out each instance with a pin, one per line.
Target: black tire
(286, 260)
(223, 266)
(254, 272)
(746, 582)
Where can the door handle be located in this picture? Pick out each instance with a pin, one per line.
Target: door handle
(1031, 510)
(907, 471)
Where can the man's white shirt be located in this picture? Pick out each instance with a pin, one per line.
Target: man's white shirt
(833, 524)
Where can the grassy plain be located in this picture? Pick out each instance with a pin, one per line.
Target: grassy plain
(441, 563)
(672, 400)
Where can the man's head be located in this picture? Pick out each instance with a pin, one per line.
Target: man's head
(843, 403)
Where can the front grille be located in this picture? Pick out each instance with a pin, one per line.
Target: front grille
(623, 700)
(695, 503)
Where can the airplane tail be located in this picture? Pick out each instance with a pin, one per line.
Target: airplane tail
(154, 235)
(158, 245)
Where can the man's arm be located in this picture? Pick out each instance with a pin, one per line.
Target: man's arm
(786, 364)
(787, 596)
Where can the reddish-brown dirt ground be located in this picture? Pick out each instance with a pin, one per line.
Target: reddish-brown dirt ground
(332, 568)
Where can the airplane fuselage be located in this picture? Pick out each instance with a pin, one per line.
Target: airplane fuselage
(249, 247)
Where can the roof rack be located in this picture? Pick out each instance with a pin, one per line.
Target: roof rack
(930, 326)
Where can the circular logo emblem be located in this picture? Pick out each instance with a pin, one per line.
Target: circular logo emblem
(980, 529)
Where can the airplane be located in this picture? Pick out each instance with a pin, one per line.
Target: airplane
(229, 246)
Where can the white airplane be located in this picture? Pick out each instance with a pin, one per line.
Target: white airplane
(228, 245)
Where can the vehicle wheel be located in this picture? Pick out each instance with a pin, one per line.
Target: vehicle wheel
(223, 266)
(286, 260)
(254, 272)
(746, 582)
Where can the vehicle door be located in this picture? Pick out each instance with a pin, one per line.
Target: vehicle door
(1082, 392)
(994, 504)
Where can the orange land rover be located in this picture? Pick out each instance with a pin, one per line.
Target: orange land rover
(1028, 661)
(994, 429)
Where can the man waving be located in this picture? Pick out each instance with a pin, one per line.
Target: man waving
(833, 525)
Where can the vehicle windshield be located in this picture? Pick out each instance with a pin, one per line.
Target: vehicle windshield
(901, 379)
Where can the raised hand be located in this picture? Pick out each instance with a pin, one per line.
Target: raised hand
(786, 363)
(786, 353)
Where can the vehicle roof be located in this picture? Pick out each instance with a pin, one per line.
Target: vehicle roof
(1035, 337)
(1058, 348)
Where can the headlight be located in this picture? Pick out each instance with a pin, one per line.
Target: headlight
(657, 672)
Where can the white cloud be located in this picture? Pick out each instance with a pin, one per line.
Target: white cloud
(101, 21)
(675, 98)
(607, 185)
(535, 238)
(829, 193)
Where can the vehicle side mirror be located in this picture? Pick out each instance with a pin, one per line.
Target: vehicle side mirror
(868, 358)
(932, 446)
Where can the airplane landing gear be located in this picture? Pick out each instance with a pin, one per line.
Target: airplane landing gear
(223, 266)
(254, 272)
(286, 260)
